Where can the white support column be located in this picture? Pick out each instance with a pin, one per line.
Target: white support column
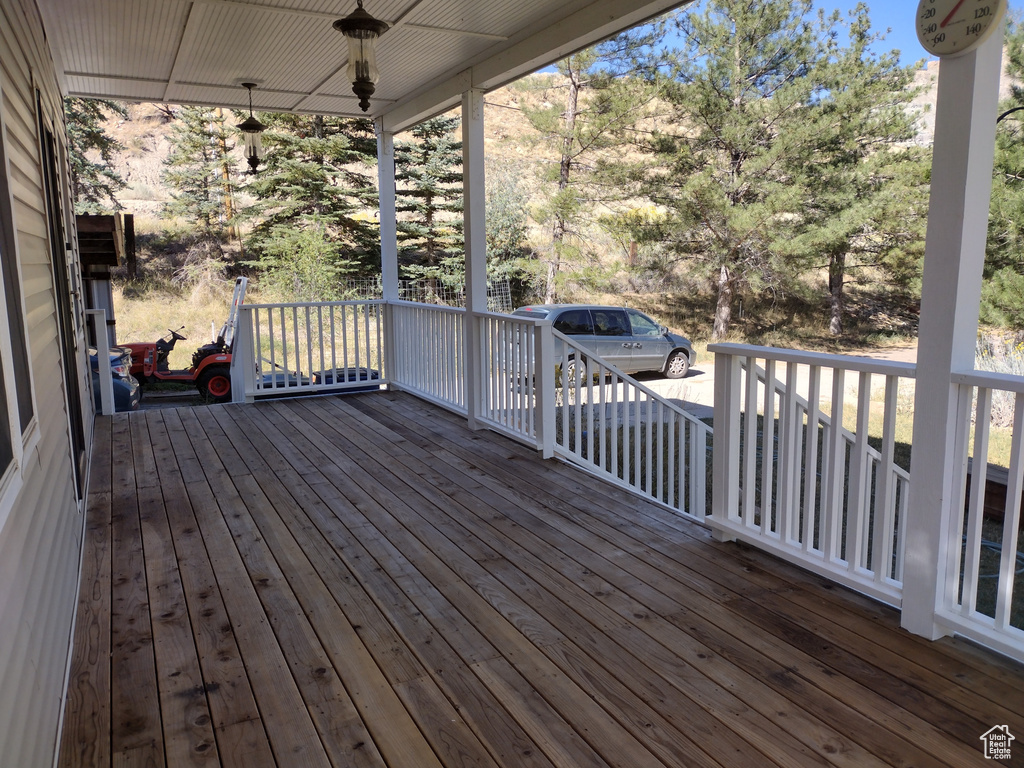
(105, 378)
(388, 241)
(243, 359)
(474, 217)
(388, 223)
(950, 297)
(725, 457)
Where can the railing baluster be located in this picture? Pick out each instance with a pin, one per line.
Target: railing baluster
(976, 509)
(748, 467)
(674, 472)
(963, 420)
(1008, 555)
(885, 487)
(788, 473)
(637, 462)
(648, 447)
(832, 541)
(590, 411)
(259, 345)
(344, 337)
(295, 349)
(334, 342)
(857, 517)
(320, 338)
(768, 447)
(699, 473)
(616, 430)
(811, 456)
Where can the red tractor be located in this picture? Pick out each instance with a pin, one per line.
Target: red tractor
(211, 363)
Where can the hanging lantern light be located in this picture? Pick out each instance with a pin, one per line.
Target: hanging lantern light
(253, 129)
(362, 31)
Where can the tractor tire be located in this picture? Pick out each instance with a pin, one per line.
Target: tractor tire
(214, 384)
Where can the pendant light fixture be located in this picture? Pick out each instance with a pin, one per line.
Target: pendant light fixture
(362, 31)
(253, 129)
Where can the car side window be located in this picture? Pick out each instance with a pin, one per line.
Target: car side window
(610, 322)
(642, 324)
(574, 321)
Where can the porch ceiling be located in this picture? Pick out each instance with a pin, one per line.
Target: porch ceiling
(199, 51)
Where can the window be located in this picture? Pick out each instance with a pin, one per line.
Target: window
(6, 446)
(610, 322)
(642, 324)
(574, 321)
(66, 316)
(21, 386)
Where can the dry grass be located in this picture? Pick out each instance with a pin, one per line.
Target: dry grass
(146, 312)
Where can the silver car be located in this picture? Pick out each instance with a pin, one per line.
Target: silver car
(624, 337)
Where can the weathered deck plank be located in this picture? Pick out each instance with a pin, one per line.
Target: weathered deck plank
(363, 581)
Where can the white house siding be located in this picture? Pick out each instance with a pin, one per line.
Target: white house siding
(40, 520)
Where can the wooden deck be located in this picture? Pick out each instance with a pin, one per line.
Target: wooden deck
(362, 581)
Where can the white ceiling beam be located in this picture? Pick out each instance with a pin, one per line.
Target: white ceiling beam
(172, 77)
(460, 32)
(547, 44)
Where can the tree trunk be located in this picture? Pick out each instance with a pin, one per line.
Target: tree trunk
(564, 172)
(225, 171)
(723, 309)
(549, 290)
(836, 276)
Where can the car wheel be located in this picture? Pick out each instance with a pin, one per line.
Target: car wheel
(215, 384)
(678, 365)
(576, 367)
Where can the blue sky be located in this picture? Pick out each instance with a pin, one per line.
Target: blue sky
(897, 16)
(895, 19)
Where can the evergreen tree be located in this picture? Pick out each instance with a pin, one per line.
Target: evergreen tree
(194, 170)
(1002, 297)
(428, 180)
(315, 190)
(606, 95)
(506, 223)
(94, 182)
(738, 96)
(866, 188)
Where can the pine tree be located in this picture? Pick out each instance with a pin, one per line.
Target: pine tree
(738, 96)
(194, 170)
(315, 188)
(506, 222)
(866, 186)
(507, 250)
(91, 150)
(605, 95)
(1003, 289)
(428, 180)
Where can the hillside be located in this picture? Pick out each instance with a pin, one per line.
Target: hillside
(145, 139)
(514, 147)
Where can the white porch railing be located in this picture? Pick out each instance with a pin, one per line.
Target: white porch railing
(985, 577)
(429, 355)
(615, 427)
(789, 478)
(308, 348)
(515, 393)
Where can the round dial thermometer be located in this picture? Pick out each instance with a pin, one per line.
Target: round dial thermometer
(954, 27)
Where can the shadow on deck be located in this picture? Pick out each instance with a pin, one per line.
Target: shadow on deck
(363, 581)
